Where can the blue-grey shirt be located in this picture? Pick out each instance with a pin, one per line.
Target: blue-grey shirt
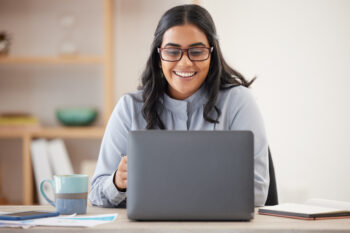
(238, 112)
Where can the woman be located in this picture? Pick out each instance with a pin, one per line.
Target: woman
(187, 85)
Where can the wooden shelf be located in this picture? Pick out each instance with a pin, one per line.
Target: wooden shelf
(70, 132)
(105, 60)
(53, 132)
(52, 60)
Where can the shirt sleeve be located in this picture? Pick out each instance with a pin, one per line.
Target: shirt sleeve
(114, 145)
(247, 116)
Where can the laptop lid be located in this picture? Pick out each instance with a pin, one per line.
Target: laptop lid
(190, 175)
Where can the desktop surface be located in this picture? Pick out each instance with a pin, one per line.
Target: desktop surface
(260, 223)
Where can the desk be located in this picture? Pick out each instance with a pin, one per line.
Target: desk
(260, 223)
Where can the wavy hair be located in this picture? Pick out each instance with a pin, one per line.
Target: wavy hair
(220, 75)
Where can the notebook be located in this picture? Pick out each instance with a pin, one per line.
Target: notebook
(190, 175)
(312, 209)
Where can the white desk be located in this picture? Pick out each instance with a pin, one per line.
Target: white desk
(260, 223)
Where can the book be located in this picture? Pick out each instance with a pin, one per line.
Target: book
(88, 167)
(312, 209)
(42, 169)
(59, 158)
(18, 120)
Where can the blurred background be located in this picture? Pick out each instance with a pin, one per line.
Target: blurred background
(86, 54)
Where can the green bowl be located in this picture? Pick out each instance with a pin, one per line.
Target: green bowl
(76, 116)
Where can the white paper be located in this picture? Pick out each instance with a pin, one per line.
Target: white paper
(66, 221)
(75, 221)
(10, 225)
(14, 224)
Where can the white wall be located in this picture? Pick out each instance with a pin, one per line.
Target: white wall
(300, 51)
(136, 22)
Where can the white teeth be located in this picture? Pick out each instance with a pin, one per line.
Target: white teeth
(183, 74)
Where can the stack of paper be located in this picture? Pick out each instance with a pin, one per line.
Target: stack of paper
(66, 221)
(75, 221)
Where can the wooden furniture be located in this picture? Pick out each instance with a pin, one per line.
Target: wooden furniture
(260, 223)
(106, 60)
(3, 200)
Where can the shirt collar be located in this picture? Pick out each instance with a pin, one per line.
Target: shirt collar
(192, 103)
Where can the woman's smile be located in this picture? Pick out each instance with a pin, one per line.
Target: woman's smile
(186, 75)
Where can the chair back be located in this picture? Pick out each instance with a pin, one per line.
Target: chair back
(272, 197)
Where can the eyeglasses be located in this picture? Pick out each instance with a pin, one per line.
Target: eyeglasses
(194, 54)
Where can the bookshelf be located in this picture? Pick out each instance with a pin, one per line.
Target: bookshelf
(106, 61)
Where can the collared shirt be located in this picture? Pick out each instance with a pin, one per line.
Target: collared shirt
(238, 112)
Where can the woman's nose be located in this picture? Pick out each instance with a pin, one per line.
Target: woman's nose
(185, 60)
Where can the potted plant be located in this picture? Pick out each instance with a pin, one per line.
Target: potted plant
(4, 43)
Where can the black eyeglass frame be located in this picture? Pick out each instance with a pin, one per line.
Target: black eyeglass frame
(159, 50)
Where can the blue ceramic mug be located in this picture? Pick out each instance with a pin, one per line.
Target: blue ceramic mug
(70, 193)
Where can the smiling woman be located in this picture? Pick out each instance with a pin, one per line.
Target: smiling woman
(186, 85)
(184, 73)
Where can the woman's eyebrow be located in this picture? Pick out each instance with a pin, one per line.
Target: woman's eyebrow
(191, 45)
(197, 44)
(172, 44)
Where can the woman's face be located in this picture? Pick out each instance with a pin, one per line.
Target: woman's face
(185, 76)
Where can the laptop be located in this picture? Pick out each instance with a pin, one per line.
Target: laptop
(190, 175)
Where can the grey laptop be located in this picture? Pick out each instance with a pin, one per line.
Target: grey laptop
(190, 175)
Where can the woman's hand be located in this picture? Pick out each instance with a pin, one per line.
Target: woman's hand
(120, 179)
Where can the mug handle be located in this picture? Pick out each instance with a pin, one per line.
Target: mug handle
(43, 192)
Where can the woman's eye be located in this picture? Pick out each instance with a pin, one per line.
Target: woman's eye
(197, 52)
(172, 52)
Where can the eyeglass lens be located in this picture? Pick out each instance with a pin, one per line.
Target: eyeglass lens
(194, 54)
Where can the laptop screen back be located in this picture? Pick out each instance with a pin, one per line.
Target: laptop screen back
(190, 175)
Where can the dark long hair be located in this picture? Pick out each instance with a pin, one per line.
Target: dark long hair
(220, 75)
